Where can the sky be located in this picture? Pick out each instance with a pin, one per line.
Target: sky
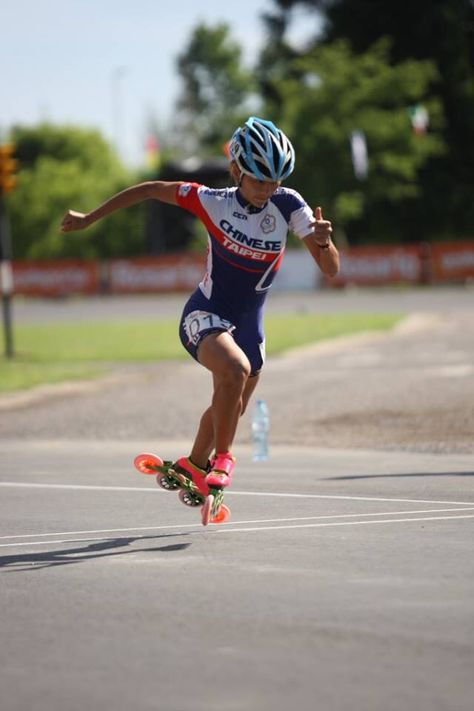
(111, 64)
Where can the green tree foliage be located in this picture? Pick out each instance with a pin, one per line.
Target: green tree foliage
(275, 61)
(216, 89)
(336, 93)
(65, 168)
(441, 31)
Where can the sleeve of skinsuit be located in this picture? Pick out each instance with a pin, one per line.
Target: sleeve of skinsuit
(187, 196)
(296, 211)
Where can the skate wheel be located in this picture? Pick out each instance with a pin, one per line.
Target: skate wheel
(147, 463)
(166, 482)
(222, 515)
(207, 510)
(189, 499)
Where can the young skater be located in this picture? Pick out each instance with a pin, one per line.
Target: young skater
(222, 322)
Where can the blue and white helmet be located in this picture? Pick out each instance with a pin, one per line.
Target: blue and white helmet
(261, 150)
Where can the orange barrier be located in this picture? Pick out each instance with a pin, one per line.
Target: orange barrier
(56, 277)
(364, 266)
(375, 266)
(155, 274)
(452, 261)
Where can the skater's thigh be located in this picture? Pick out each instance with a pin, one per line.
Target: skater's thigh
(220, 354)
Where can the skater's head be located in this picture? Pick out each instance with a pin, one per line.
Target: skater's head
(261, 158)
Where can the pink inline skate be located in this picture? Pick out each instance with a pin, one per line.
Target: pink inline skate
(222, 470)
(191, 480)
(219, 477)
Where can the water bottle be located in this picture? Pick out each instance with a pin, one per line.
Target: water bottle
(260, 429)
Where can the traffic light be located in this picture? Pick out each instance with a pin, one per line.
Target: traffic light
(8, 166)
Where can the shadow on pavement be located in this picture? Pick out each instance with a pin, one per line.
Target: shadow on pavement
(37, 561)
(395, 476)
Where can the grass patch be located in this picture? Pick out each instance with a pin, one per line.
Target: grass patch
(290, 331)
(21, 374)
(54, 352)
(103, 341)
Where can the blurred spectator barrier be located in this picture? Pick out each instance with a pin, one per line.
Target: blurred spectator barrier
(154, 274)
(375, 266)
(444, 262)
(56, 277)
(424, 263)
(452, 261)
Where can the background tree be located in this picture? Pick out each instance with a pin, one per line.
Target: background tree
(275, 61)
(216, 92)
(337, 93)
(65, 168)
(441, 31)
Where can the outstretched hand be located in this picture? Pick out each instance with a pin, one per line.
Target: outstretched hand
(322, 228)
(73, 221)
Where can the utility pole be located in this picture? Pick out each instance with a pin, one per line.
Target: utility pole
(8, 166)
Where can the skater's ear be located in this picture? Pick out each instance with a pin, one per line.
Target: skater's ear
(235, 172)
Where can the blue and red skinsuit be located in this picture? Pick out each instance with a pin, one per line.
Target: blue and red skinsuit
(246, 247)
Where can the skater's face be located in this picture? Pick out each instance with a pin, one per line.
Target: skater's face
(256, 192)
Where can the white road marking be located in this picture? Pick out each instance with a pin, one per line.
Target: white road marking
(290, 523)
(230, 527)
(231, 523)
(341, 523)
(349, 498)
(158, 490)
(79, 487)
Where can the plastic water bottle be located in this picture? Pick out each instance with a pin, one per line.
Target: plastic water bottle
(260, 429)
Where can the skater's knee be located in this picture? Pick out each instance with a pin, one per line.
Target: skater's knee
(239, 372)
(236, 374)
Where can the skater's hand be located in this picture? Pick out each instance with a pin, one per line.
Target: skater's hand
(322, 229)
(74, 221)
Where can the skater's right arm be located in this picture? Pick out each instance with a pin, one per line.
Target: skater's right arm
(151, 190)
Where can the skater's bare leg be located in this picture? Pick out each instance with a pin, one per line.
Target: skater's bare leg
(204, 442)
(230, 368)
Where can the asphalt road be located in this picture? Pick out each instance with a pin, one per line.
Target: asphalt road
(389, 300)
(344, 580)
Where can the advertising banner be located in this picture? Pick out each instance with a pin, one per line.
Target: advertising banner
(375, 266)
(452, 261)
(155, 275)
(56, 278)
(360, 266)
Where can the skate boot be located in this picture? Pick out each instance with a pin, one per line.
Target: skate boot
(191, 477)
(222, 469)
(220, 476)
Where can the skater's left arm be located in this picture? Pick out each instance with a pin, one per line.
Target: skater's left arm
(320, 245)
